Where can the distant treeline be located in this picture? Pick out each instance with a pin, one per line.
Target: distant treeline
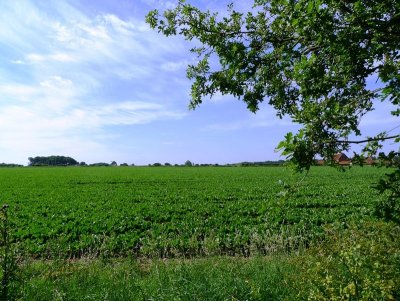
(68, 161)
(52, 161)
(101, 164)
(263, 163)
(190, 164)
(10, 165)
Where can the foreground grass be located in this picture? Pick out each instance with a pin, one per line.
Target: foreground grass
(217, 278)
(359, 263)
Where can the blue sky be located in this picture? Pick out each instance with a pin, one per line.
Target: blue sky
(90, 80)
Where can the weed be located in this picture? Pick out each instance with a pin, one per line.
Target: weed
(8, 258)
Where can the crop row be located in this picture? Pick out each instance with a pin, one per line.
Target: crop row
(163, 212)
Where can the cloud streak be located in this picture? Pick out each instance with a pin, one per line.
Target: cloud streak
(65, 70)
(265, 118)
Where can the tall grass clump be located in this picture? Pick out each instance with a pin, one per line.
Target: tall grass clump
(213, 278)
(8, 258)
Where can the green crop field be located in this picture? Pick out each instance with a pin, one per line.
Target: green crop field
(177, 211)
(169, 233)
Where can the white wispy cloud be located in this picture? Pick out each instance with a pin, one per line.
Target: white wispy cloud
(63, 72)
(163, 4)
(174, 66)
(248, 124)
(264, 118)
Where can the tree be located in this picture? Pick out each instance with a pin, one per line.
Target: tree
(52, 161)
(309, 59)
(99, 164)
(188, 163)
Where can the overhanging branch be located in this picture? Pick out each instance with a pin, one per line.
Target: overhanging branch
(367, 140)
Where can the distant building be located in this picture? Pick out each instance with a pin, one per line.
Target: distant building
(342, 159)
(369, 161)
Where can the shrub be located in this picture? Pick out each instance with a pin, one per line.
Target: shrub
(360, 263)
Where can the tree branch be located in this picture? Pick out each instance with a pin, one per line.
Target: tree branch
(367, 140)
(311, 49)
(270, 39)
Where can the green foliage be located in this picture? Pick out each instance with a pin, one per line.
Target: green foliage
(100, 164)
(179, 211)
(217, 278)
(188, 163)
(10, 165)
(52, 161)
(309, 59)
(389, 206)
(360, 263)
(354, 263)
(8, 259)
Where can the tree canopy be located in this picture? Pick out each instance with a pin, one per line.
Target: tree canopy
(188, 163)
(310, 60)
(52, 161)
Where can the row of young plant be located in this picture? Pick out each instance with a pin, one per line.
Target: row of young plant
(179, 212)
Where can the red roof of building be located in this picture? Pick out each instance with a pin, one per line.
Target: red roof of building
(340, 157)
